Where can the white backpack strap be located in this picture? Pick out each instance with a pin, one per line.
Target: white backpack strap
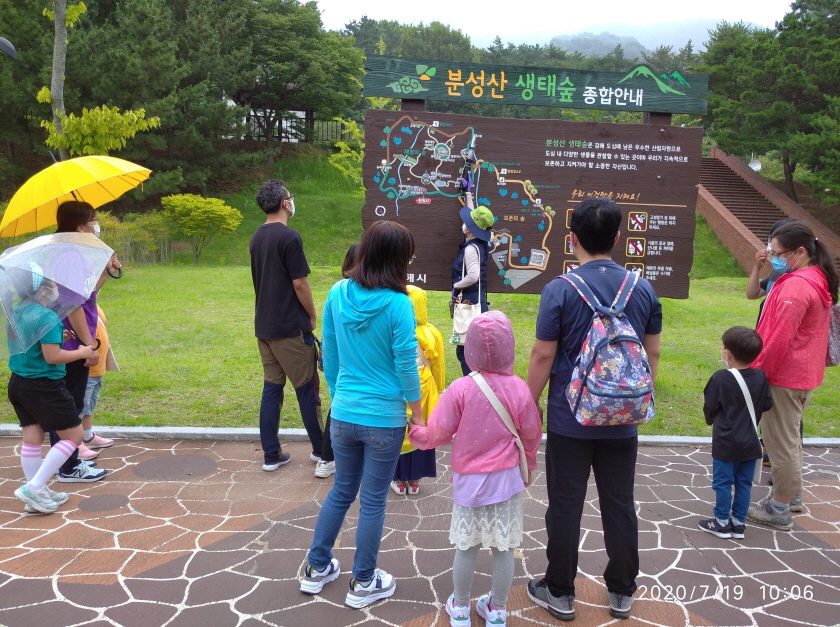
(505, 416)
(747, 396)
(751, 408)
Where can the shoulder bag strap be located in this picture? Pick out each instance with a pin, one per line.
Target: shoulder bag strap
(505, 416)
(751, 408)
(747, 396)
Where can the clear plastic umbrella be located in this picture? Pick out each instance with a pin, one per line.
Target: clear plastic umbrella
(52, 273)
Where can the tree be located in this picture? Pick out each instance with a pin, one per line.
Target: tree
(297, 65)
(372, 36)
(201, 219)
(770, 88)
(63, 17)
(180, 60)
(435, 41)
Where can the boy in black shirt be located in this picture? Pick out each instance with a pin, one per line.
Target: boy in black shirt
(735, 444)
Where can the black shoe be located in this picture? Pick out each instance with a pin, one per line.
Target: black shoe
(737, 530)
(712, 526)
(285, 458)
(562, 607)
(620, 604)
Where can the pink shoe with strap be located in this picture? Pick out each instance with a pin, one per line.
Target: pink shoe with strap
(86, 453)
(97, 441)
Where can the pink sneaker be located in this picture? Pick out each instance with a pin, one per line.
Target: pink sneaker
(86, 453)
(97, 441)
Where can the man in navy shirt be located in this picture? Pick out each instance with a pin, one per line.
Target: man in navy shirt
(572, 450)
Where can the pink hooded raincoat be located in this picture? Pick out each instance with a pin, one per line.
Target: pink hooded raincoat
(482, 443)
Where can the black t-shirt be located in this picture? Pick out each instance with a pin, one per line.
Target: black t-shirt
(277, 259)
(733, 436)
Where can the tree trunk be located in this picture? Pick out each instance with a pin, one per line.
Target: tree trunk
(59, 61)
(789, 170)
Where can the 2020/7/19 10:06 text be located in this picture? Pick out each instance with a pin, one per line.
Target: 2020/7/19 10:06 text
(736, 592)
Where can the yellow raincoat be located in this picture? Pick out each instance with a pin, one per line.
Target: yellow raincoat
(430, 358)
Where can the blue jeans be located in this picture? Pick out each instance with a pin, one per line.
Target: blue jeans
(725, 475)
(364, 457)
(94, 386)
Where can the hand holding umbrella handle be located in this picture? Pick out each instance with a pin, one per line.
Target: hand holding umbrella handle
(97, 342)
(118, 275)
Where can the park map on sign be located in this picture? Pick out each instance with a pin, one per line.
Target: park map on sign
(420, 169)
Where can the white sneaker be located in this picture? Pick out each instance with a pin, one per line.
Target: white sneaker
(459, 615)
(313, 581)
(314, 457)
(324, 469)
(59, 498)
(381, 586)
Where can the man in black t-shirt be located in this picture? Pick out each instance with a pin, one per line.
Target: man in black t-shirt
(283, 321)
(572, 451)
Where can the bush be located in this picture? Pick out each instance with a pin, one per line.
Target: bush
(201, 219)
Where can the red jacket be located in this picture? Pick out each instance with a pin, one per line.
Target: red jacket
(794, 328)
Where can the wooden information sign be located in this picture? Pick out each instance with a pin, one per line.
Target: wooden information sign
(640, 89)
(530, 174)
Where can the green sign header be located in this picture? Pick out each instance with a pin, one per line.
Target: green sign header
(640, 89)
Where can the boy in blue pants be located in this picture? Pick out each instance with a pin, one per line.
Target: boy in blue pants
(39, 397)
(735, 444)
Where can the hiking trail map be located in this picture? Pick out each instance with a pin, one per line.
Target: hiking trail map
(421, 168)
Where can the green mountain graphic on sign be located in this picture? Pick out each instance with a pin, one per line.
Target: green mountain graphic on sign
(679, 78)
(644, 71)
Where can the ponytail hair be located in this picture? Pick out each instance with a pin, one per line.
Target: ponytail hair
(798, 234)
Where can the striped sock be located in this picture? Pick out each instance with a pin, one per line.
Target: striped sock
(30, 459)
(55, 458)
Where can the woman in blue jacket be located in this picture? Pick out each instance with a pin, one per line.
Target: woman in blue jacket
(370, 365)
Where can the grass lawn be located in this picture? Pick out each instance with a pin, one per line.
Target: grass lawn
(183, 338)
(183, 334)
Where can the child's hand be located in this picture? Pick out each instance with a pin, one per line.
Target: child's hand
(761, 257)
(90, 355)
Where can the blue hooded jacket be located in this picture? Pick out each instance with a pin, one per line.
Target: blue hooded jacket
(370, 354)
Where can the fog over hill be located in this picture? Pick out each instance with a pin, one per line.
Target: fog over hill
(675, 34)
(636, 38)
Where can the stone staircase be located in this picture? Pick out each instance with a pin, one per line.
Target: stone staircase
(741, 206)
(752, 209)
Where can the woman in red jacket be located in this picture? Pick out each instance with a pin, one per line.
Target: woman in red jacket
(794, 328)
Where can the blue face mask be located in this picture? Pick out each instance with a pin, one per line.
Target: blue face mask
(778, 263)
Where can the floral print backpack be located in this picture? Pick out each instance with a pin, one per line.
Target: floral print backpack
(611, 382)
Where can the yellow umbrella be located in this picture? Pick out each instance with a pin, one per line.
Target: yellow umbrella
(94, 179)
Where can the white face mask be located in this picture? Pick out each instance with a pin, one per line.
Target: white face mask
(465, 229)
(291, 207)
(51, 294)
(96, 230)
(723, 359)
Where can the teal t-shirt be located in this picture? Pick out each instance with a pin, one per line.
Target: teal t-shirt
(33, 318)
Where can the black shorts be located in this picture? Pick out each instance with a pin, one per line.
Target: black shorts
(44, 402)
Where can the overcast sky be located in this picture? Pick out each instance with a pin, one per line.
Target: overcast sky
(536, 21)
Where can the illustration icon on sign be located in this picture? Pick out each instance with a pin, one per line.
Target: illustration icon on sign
(637, 221)
(635, 247)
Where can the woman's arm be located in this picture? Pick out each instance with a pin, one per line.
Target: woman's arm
(404, 346)
(753, 288)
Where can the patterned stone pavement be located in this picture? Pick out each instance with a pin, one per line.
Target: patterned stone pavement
(186, 533)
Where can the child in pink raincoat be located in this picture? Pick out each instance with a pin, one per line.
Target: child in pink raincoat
(486, 485)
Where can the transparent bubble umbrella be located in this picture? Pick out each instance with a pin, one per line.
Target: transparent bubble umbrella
(56, 272)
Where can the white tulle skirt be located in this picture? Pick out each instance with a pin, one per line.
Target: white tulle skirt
(498, 525)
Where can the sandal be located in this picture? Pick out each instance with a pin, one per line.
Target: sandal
(398, 487)
(413, 489)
